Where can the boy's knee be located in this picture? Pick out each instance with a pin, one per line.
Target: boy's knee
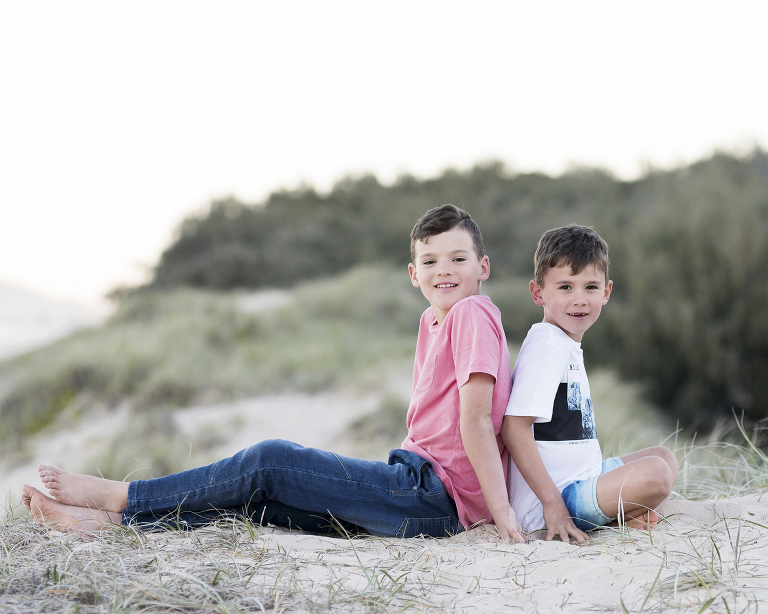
(658, 476)
(267, 450)
(669, 458)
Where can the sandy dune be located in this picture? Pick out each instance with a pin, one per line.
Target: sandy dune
(704, 557)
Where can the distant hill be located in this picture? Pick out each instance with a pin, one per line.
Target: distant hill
(29, 321)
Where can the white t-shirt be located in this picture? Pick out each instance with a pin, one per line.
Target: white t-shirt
(550, 383)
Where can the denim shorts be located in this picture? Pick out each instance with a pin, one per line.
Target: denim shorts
(581, 499)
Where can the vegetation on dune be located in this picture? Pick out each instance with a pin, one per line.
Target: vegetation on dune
(688, 247)
(687, 318)
(171, 349)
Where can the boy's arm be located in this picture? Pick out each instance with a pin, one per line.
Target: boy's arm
(479, 441)
(517, 436)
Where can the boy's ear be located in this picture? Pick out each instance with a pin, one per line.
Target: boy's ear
(607, 291)
(413, 275)
(536, 293)
(485, 268)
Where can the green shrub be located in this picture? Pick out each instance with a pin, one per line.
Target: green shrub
(690, 317)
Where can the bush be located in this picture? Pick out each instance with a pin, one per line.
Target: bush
(690, 317)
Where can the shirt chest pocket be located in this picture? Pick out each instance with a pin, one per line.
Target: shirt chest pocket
(427, 374)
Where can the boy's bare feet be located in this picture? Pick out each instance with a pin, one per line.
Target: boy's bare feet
(645, 521)
(61, 517)
(84, 490)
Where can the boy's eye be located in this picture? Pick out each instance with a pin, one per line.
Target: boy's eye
(565, 287)
(459, 259)
(428, 262)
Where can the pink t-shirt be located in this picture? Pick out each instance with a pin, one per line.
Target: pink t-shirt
(470, 340)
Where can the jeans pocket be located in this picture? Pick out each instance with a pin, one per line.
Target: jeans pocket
(431, 527)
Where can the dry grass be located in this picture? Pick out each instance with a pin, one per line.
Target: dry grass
(238, 567)
(705, 556)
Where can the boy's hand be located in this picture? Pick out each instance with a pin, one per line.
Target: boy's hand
(558, 522)
(518, 437)
(508, 526)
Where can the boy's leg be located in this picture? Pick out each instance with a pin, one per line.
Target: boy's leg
(267, 512)
(403, 498)
(642, 484)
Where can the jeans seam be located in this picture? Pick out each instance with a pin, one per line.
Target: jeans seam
(131, 501)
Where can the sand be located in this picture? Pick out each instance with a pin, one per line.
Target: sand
(707, 556)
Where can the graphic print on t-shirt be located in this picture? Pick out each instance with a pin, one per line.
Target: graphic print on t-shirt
(572, 415)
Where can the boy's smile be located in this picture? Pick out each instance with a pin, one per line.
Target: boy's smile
(447, 270)
(572, 302)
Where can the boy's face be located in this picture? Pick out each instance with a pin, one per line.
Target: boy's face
(447, 270)
(572, 302)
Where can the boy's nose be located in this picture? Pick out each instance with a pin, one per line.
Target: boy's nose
(580, 298)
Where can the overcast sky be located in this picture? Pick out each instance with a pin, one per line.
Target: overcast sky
(118, 119)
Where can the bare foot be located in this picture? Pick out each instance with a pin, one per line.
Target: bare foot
(60, 517)
(84, 490)
(645, 521)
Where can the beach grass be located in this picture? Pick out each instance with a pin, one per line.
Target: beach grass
(709, 555)
(235, 566)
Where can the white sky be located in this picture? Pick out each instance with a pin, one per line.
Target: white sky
(117, 119)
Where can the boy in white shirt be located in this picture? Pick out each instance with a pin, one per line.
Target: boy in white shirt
(557, 477)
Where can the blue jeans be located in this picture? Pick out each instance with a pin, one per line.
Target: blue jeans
(289, 485)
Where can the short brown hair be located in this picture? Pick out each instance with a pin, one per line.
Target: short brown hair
(442, 219)
(573, 245)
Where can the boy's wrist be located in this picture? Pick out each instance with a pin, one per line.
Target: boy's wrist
(500, 508)
(500, 511)
(552, 498)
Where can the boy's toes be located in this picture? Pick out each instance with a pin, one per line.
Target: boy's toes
(49, 475)
(26, 495)
(645, 521)
(46, 471)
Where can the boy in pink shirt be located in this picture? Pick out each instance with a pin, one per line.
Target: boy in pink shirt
(448, 476)
(461, 386)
